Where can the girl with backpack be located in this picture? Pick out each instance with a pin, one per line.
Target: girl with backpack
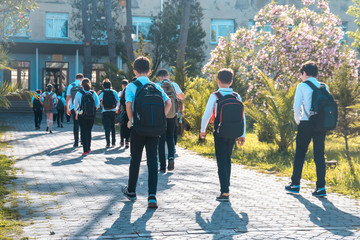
(49, 100)
(85, 105)
(124, 130)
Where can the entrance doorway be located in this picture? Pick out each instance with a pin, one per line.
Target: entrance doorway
(56, 74)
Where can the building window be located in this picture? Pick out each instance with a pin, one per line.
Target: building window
(344, 27)
(19, 74)
(220, 28)
(141, 25)
(57, 25)
(98, 72)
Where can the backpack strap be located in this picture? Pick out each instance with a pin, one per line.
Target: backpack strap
(218, 95)
(310, 84)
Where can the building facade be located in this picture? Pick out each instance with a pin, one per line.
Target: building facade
(52, 53)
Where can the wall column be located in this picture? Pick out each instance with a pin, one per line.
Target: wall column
(77, 62)
(119, 62)
(37, 68)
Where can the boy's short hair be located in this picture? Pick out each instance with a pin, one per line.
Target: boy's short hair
(106, 83)
(225, 75)
(142, 64)
(162, 73)
(124, 82)
(79, 76)
(310, 68)
(38, 91)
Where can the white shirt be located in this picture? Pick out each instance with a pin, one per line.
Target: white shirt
(68, 93)
(78, 97)
(211, 105)
(48, 93)
(101, 96)
(302, 100)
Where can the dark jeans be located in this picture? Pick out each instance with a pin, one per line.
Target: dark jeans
(38, 118)
(175, 133)
(108, 120)
(124, 132)
(223, 151)
(60, 118)
(86, 127)
(67, 118)
(168, 136)
(137, 144)
(76, 128)
(304, 135)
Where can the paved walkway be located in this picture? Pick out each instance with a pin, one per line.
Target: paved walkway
(65, 196)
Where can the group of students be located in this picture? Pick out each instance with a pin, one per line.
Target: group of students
(52, 104)
(148, 118)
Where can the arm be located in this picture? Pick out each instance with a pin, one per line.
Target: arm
(167, 106)
(68, 98)
(297, 104)
(181, 96)
(207, 115)
(129, 113)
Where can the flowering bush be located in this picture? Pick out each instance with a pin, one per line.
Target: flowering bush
(296, 36)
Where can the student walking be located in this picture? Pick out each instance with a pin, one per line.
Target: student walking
(174, 92)
(72, 90)
(85, 105)
(37, 108)
(109, 100)
(124, 130)
(146, 106)
(229, 125)
(60, 107)
(50, 100)
(304, 117)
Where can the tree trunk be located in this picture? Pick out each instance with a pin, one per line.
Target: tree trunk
(88, 23)
(110, 30)
(184, 30)
(128, 31)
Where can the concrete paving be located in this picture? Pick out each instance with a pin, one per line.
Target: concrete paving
(65, 196)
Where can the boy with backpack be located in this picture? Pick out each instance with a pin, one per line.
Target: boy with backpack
(60, 107)
(72, 90)
(315, 112)
(174, 92)
(146, 107)
(85, 105)
(109, 100)
(124, 130)
(226, 106)
(37, 108)
(49, 103)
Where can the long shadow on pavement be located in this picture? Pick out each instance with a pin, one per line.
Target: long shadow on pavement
(330, 217)
(224, 218)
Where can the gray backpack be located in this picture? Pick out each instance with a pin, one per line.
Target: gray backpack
(169, 89)
(75, 88)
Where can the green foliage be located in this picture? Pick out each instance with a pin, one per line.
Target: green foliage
(355, 12)
(197, 95)
(265, 157)
(165, 33)
(9, 89)
(275, 113)
(4, 59)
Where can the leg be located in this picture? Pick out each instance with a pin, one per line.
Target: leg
(136, 148)
(83, 133)
(170, 127)
(150, 145)
(161, 147)
(61, 114)
(319, 148)
(90, 126)
(221, 157)
(303, 139)
(112, 128)
(106, 123)
(230, 147)
(122, 132)
(40, 117)
(75, 129)
(36, 119)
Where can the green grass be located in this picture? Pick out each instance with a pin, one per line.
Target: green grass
(266, 158)
(10, 224)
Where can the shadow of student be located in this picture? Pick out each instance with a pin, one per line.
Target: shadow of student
(123, 225)
(67, 162)
(330, 217)
(224, 218)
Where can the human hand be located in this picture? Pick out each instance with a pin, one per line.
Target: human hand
(241, 141)
(202, 135)
(129, 124)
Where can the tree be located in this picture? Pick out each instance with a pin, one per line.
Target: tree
(165, 34)
(355, 12)
(110, 30)
(128, 31)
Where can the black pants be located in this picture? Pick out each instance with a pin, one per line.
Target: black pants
(304, 135)
(108, 120)
(60, 118)
(37, 118)
(124, 132)
(75, 128)
(86, 127)
(168, 136)
(223, 151)
(67, 118)
(137, 144)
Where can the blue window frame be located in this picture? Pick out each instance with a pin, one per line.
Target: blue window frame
(141, 25)
(220, 28)
(57, 25)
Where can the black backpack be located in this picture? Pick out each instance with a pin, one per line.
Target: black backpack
(229, 120)
(109, 100)
(37, 104)
(324, 112)
(60, 106)
(75, 88)
(87, 106)
(149, 115)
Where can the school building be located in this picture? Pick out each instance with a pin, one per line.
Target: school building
(51, 52)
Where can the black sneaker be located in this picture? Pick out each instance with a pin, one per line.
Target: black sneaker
(162, 170)
(108, 146)
(319, 192)
(152, 202)
(47, 129)
(61, 126)
(129, 195)
(222, 198)
(292, 188)
(75, 145)
(171, 164)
